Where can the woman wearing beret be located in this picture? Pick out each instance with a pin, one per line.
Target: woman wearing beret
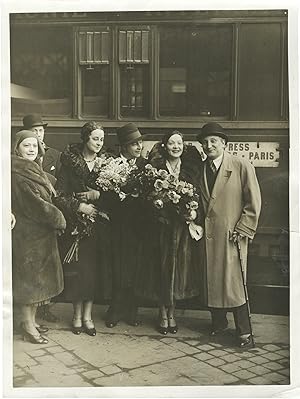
(37, 270)
(79, 199)
(179, 270)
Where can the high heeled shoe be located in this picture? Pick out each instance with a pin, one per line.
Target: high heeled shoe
(76, 329)
(172, 329)
(42, 329)
(34, 339)
(89, 330)
(162, 330)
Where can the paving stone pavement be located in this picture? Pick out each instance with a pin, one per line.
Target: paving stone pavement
(139, 356)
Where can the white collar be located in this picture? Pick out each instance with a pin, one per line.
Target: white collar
(218, 161)
(132, 160)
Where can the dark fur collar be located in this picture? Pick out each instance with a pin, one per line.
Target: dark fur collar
(72, 158)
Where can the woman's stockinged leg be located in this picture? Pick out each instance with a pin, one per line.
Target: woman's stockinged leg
(87, 318)
(28, 330)
(41, 329)
(163, 320)
(27, 319)
(171, 319)
(77, 318)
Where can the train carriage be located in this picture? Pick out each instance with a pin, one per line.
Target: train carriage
(170, 70)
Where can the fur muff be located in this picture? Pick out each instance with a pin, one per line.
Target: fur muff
(37, 270)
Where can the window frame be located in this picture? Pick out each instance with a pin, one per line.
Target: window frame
(232, 70)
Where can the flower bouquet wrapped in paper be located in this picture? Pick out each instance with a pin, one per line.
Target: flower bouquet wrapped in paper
(169, 194)
(113, 174)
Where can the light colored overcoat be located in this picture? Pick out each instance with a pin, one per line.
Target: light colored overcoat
(234, 204)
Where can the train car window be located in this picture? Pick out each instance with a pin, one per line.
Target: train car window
(260, 69)
(134, 72)
(195, 71)
(134, 90)
(40, 70)
(95, 90)
(94, 55)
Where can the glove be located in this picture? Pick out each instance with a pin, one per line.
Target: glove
(88, 209)
(88, 196)
(196, 231)
(235, 237)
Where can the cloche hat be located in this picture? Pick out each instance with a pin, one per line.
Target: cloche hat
(24, 134)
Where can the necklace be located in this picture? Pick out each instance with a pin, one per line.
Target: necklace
(90, 160)
(174, 168)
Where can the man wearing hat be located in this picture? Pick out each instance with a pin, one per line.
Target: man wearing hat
(126, 225)
(51, 165)
(51, 159)
(231, 201)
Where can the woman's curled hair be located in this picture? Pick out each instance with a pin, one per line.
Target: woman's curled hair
(87, 129)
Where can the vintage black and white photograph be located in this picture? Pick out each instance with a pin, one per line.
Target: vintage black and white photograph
(149, 199)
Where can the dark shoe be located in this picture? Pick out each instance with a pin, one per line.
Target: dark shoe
(76, 329)
(246, 342)
(89, 330)
(34, 339)
(134, 323)
(172, 329)
(217, 331)
(161, 329)
(42, 329)
(110, 324)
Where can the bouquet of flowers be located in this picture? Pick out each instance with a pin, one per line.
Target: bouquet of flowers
(164, 189)
(82, 226)
(113, 174)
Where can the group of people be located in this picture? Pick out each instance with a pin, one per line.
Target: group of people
(133, 253)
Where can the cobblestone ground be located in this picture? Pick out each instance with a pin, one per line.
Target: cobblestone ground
(128, 356)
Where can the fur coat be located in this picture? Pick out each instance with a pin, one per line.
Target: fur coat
(90, 276)
(171, 268)
(37, 270)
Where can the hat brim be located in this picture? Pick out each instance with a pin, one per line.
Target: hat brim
(132, 137)
(39, 124)
(202, 136)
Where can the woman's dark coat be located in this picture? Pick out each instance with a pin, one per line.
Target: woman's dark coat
(90, 277)
(171, 269)
(37, 271)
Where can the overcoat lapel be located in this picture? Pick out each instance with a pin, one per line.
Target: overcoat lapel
(203, 183)
(48, 160)
(221, 180)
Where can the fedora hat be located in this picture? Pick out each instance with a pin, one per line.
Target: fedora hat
(128, 133)
(32, 120)
(212, 129)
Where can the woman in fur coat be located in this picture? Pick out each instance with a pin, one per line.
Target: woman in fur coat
(179, 271)
(80, 201)
(37, 270)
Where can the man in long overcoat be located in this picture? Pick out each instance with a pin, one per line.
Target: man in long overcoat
(231, 201)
